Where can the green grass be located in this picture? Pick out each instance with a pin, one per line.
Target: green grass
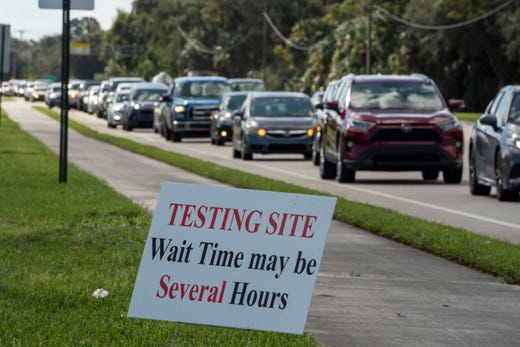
(468, 116)
(496, 257)
(62, 242)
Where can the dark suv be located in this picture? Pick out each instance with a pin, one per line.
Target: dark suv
(391, 123)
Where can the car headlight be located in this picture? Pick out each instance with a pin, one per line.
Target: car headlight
(449, 124)
(137, 106)
(179, 109)
(359, 124)
(251, 126)
(514, 141)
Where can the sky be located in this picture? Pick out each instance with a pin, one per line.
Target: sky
(28, 22)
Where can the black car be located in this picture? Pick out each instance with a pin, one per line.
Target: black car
(137, 112)
(494, 152)
(273, 122)
(321, 110)
(221, 121)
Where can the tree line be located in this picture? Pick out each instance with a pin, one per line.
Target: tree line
(469, 47)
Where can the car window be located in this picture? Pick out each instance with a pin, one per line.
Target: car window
(395, 95)
(202, 89)
(281, 106)
(235, 101)
(148, 95)
(501, 109)
(514, 113)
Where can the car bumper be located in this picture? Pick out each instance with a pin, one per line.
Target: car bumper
(403, 158)
(270, 145)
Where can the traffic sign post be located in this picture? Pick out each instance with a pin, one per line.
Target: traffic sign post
(4, 58)
(66, 6)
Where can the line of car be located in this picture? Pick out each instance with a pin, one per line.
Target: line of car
(359, 122)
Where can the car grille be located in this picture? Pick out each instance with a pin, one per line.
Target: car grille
(397, 135)
(287, 133)
(202, 112)
(406, 157)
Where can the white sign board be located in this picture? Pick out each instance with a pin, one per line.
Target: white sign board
(87, 5)
(232, 257)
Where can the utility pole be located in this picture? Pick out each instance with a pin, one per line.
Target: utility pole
(64, 115)
(369, 38)
(264, 42)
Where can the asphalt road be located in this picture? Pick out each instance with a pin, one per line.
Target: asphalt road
(370, 291)
(405, 192)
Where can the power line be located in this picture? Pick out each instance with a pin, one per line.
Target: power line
(444, 27)
(283, 38)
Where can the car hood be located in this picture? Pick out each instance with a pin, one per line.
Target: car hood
(284, 122)
(404, 116)
(198, 102)
(147, 105)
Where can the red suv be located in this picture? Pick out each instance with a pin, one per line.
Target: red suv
(391, 123)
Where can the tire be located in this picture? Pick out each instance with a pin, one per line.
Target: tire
(316, 153)
(246, 155)
(176, 137)
(327, 169)
(219, 142)
(236, 154)
(167, 132)
(430, 175)
(343, 174)
(452, 176)
(475, 188)
(503, 194)
(307, 155)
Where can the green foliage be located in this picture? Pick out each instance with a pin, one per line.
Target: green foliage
(232, 38)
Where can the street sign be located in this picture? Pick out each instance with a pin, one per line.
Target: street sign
(232, 257)
(87, 5)
(65, 6)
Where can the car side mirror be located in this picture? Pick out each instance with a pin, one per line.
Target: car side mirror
(456, 104)
(332, 105)
(166, 98)
(319, 106)
(237, 116)
(489, 119)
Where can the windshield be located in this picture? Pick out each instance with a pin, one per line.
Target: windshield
(202, 89)
(234, 102)
(120, 97)
(247, 86)
(281, 106)
(148, 95)
(514, 113)
(412, 96)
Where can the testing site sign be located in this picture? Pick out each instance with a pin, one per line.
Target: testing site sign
(232, 257)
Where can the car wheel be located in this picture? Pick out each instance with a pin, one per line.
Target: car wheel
(503, 194)
(246, 154)
(475, 188)
(307, 155)
(343, 174)
(430, 175)
(167, 133)
(219, 142)
(316, 153)
(176, 137)
(327, 169)
(452, 176)
(236, 153)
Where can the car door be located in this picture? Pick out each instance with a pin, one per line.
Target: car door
(488, 139)
(333, 119)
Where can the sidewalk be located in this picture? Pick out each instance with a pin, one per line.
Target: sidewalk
(370, 291)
